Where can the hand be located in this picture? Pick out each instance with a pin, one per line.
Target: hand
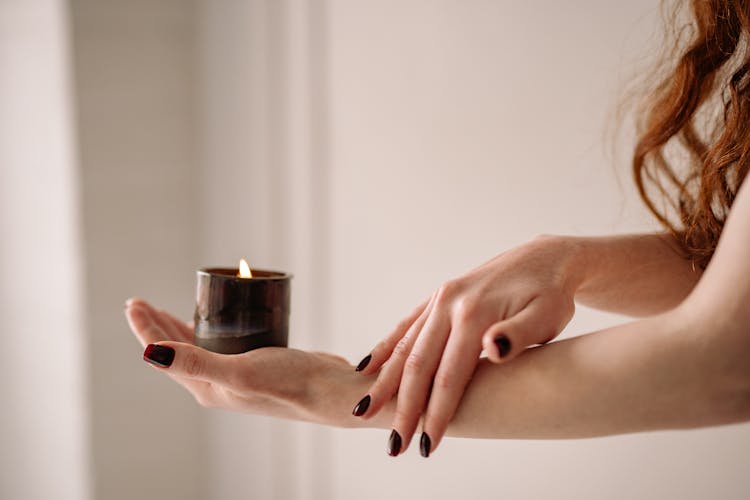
(520, 298)
(272, 381)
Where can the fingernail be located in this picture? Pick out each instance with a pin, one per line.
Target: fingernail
(424, 445)
(394, 443)
(503, 345)
(362, 406)
(363, 364)
(159, 355)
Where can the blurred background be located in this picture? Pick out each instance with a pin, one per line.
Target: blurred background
(374, 149)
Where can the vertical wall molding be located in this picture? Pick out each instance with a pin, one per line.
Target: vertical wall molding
(299, 147)
(263, 126)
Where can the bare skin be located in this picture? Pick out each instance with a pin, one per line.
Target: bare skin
(526, 296)
(681, 368)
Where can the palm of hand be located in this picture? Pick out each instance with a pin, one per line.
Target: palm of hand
(269, 381)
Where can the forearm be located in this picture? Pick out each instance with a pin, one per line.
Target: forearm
(638, 275)
(615, 381)
(656, 373)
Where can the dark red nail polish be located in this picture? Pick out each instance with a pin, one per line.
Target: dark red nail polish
(394, 443)
(159, 355)
(362, 406)
(363, 364)
(424, 445)
(503, 345)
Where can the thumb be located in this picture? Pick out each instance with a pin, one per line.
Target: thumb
(539, 322)
(187, 360)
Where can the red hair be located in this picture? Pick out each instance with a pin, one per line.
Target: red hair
(693, 148)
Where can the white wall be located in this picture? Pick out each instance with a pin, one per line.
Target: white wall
(43, 417)
(417, 139)
(374, 149)
(459, 129)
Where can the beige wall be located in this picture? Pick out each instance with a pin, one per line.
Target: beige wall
(460, 129)
(134, 71)
(374, 149)
(432, 135)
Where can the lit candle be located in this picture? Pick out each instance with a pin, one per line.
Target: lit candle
(238, 310)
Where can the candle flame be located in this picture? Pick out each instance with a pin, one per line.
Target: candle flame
(244, 270)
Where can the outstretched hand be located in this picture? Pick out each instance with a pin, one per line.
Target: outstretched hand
(273, 381)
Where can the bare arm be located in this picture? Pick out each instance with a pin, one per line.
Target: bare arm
(687, 367)
(520, 298)
(636, 274)
(658, 373)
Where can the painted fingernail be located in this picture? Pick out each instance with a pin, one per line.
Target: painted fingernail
(503, 345)
(362, 406)
(363, 364)
(159, 355)
(424, 445)
(394, 443)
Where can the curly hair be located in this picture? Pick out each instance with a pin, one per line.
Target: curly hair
(693, 148)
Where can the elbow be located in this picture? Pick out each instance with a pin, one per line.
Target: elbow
(722, 366)
(737, 363)
(744, 389)
(736, 401)
(732, 364)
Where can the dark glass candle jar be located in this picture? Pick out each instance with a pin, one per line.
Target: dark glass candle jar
(234, 314)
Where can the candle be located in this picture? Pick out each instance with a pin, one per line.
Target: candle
(238, 310)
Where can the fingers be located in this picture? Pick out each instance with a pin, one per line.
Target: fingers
(172, 327)
(457, 365)
(418, 371)
(156, 330)
(382, 351)
(387, 383)
(149, 332)
(142, 323)
(506, 339)
(188, 361)
(178, 329)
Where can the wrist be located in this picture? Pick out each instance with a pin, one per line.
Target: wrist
(573, 257)
(331, 394)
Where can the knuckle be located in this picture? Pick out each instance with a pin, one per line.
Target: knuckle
(193, 365)
(446, 292)
(415, 363)
(443, 381)
(467, 308)
(402, 347)
(202, 400)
